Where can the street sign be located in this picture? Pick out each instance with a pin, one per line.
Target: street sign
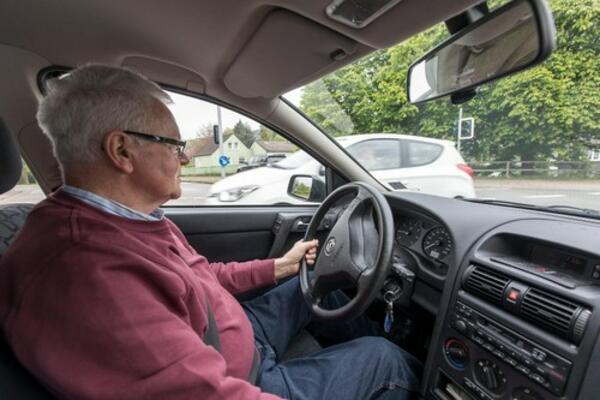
(223, 161)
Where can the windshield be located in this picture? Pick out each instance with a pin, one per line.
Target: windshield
(531, 138)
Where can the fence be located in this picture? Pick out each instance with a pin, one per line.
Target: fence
(531, 169)
(208, 171)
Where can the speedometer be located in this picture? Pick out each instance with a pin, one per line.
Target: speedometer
(437, 243)
(409, 231)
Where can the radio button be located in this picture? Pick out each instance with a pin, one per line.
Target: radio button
(523, 369)
(537, 378)
(538, 355)
(511, 361)
(499, 354)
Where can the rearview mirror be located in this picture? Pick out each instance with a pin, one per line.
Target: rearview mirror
(509, 39)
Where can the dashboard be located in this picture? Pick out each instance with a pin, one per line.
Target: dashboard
(515, 293)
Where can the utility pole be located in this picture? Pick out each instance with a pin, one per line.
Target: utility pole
(221, 148)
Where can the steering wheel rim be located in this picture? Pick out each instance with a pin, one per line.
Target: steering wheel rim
(345, 254)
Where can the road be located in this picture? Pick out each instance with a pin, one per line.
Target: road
(584, 194)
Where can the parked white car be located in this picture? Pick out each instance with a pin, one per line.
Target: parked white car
(413, 162)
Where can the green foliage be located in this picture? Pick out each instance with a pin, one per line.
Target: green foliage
(243, 131)
(549, 111)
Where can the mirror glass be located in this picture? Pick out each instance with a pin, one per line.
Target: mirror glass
(307, 188)
(302, 186)
(507, 41)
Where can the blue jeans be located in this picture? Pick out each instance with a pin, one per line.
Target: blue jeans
(361, 366)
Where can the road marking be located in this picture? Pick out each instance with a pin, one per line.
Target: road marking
(594, 194)
(545, 196)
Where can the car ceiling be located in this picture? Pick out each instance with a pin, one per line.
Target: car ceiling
(245, 53)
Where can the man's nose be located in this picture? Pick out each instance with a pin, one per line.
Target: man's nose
(184, 159)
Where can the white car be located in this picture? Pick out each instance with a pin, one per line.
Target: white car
(416, 163)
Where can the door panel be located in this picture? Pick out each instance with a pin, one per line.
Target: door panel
(241, 233)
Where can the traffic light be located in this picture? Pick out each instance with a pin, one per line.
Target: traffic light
(216, 134)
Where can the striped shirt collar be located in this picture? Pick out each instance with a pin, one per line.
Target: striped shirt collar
(110, 206)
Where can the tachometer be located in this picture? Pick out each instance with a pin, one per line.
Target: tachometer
(437, 243)
(409, 231)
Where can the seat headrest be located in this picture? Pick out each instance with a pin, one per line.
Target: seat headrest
(10, 159)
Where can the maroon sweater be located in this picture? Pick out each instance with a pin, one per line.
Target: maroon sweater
(102, 307)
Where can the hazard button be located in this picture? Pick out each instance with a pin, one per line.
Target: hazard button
(513, 295)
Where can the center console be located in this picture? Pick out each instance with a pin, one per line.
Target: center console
(519, 322)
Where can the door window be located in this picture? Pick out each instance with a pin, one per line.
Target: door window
(218, 174)
(421, 153)
(377, 154)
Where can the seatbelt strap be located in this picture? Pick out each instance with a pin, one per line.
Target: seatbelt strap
(254, 368)
(211, 338)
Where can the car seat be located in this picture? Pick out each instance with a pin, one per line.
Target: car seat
(15, 381)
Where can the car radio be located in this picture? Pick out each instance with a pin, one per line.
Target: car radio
(528, 358)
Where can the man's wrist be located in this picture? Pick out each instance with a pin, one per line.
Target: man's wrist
(283, 267)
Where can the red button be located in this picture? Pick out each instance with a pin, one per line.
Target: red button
(513, 295)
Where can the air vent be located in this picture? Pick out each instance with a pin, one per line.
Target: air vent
(554, 313)
(485, 283)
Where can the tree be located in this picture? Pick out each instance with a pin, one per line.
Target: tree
(244, 132)
(549, 111)
(205, 130)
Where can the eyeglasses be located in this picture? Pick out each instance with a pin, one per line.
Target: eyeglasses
(179, 145)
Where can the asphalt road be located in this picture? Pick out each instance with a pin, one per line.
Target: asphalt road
(584, 194)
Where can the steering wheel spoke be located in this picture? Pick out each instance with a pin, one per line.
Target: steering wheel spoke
(357, 251)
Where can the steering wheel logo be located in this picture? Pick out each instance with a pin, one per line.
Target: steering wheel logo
(330, 246)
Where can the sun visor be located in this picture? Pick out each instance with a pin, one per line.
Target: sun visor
(286, 51)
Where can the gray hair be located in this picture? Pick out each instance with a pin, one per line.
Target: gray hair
(82, 107)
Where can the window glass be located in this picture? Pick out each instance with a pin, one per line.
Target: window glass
(420, 153)
(532, 137)
(377, 154)
(241, 171)
(26, 190)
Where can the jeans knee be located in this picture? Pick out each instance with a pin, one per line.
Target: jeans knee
(388, 355)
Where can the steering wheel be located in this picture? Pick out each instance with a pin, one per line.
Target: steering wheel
(357, 251)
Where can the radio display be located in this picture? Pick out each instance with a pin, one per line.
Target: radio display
(547, 257)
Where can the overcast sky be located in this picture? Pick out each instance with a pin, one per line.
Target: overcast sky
(192, 114)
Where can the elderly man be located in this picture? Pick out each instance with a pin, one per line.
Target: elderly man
(102, 297)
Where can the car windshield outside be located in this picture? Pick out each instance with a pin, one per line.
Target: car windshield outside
(531, 138)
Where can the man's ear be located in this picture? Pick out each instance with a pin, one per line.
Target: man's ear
(116, 146)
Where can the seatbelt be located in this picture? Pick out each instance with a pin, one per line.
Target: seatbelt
(211, 338)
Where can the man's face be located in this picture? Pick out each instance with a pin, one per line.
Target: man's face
(158, 165)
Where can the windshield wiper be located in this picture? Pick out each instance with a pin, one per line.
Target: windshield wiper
(562, 209)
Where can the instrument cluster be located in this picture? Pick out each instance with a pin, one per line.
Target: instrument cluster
(426, 238)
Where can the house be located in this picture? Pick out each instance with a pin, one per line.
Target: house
(263, 147)
(205, 160)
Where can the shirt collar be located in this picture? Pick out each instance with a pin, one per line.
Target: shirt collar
(111, 206)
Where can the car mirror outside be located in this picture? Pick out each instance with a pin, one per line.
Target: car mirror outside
(306, 187)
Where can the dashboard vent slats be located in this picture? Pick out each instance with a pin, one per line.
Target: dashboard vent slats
(549, 311)
(486, 283)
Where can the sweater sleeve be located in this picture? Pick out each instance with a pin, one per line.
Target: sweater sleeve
(235, 277)
(113, 330)
(239, 277)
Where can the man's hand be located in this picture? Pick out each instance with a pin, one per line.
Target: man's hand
(289, 264)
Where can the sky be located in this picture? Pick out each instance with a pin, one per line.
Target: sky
(192, 114)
